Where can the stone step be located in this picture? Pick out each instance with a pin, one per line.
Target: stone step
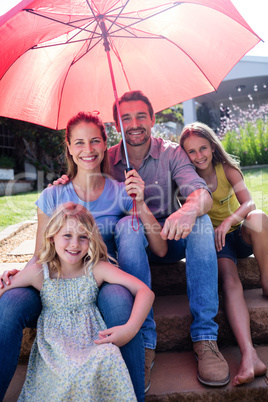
(173, 319)
(170, 279)
(174, 379)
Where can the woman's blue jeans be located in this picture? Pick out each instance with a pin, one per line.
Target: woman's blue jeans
(20, 308)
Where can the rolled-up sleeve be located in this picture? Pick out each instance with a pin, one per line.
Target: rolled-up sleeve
(184, 174)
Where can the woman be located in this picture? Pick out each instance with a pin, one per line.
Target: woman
(107, 200)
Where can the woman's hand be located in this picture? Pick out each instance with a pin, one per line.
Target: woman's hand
(5, 277)
(135, 185)
(61, 181)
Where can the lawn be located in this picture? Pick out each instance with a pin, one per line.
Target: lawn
(21, 207)
(17, 208)
(257, 183)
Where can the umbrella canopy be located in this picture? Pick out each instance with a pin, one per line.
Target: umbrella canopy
(53, 54)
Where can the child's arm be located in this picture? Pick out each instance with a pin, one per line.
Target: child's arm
(8, 276)
(144, 297)
(135, 185)
(32, 275)
(246, 205)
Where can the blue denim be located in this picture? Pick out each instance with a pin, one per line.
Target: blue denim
(115, 303)
(235, 246)
(20, 308)
(202, 276)
(133, 259)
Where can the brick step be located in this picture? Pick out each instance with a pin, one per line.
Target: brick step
(174, 379)
(170, 279)
(173, 319)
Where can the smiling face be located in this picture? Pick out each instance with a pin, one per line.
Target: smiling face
(137, 122)
(199, 151)
(71, 243)
(87, 146)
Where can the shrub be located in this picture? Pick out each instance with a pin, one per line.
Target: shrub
(245, 134)
(6, 162)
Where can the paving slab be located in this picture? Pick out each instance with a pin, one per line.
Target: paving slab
(13, 229)
(26, 247)
(11, 265)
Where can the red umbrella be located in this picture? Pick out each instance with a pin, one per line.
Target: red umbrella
(53, 54)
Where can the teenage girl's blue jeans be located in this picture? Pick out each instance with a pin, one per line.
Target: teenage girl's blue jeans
(20, 308)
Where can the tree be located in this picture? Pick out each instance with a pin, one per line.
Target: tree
(38, 145)
(174, 113)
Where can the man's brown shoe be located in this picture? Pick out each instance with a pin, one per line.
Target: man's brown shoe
(213, 369)
(149, 363)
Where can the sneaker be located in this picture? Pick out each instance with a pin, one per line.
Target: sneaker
(149, 363)
(213, 369)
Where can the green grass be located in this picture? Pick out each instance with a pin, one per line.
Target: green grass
(20, 207)
(17, 208)
(257, 183)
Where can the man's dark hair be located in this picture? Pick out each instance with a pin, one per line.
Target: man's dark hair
(132, 96)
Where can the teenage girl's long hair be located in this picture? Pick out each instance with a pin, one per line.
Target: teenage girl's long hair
(204, 131)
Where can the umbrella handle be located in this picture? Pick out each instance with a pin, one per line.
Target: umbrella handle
(128, 169)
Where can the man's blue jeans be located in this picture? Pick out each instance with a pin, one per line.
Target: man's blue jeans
(20, 308)
(201, 273)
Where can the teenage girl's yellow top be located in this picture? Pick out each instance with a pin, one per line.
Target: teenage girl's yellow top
(225, 202)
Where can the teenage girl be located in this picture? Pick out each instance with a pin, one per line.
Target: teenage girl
(73, 355)
(240, 230)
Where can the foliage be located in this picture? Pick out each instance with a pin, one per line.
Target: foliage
(174, 113)
(7, 162)
(244, 133)
(38, 145)
(113, 137)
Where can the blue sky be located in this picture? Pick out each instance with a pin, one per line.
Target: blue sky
(255, 12)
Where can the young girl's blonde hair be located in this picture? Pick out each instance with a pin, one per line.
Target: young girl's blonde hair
(204, 131)
(97, 250)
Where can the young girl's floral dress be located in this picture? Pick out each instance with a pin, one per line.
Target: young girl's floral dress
(65, 364)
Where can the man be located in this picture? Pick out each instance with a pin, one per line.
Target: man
(166, 171)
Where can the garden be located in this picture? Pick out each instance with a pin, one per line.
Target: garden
(244, 134)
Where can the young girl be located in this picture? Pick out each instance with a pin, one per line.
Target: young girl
(240, 230)
(73, 356)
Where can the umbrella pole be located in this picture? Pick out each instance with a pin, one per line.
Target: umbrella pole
(107, 50)
(133, 196)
